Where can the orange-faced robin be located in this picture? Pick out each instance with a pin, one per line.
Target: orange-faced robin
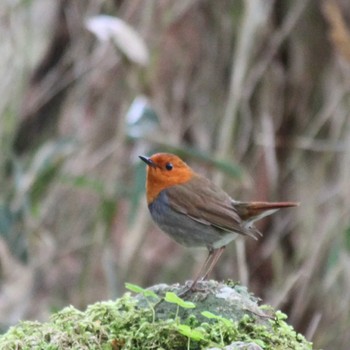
(195, 212)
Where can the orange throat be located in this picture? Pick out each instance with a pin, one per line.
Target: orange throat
(157, 182)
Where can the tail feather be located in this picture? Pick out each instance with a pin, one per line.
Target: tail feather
(253, 211)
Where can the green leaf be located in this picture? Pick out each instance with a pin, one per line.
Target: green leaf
(194, 334)
(150, 293)
(224, 320)
(172, 298)
(134, 288)
(210, 315)
(137, 289)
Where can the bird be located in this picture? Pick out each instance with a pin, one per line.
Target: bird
(195, 212)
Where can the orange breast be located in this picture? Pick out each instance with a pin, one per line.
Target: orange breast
(158, 180)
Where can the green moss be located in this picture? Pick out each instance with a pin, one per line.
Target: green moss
(129, 323)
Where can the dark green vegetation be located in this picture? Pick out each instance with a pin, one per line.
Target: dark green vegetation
(149, 322)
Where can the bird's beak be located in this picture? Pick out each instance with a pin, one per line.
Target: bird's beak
(148, 161)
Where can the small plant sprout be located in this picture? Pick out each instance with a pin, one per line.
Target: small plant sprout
(172, 298)
(147, 294)
(224, 320)
(228, 323)
(137, 289)
(190, 333)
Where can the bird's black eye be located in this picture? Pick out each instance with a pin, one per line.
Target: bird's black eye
(168, 166)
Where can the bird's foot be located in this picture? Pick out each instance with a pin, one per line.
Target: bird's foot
(191, 287)
(186, 291)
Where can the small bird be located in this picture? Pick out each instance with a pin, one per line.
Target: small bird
(197, 213)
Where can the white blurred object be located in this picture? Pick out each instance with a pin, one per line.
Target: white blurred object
(141, 119)
(125, 37)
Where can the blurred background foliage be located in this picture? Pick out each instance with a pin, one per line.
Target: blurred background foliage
(253, 93)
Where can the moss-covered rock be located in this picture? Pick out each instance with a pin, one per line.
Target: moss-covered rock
(219, 316)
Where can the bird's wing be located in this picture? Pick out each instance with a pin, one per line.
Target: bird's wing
(206, 203)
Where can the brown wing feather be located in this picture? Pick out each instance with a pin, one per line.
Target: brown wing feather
(204, 202)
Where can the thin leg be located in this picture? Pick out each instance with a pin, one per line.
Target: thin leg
(207, 262)
(210, 262)
(216, 256)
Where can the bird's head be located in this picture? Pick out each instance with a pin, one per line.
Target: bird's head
(164, 170)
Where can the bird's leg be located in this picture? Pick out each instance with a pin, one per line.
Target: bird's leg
(207, 262)
(216, 256)
(210, 262)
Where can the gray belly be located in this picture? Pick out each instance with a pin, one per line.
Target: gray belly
(185, 230)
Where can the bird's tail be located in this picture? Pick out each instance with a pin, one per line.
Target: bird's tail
(253, 211)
